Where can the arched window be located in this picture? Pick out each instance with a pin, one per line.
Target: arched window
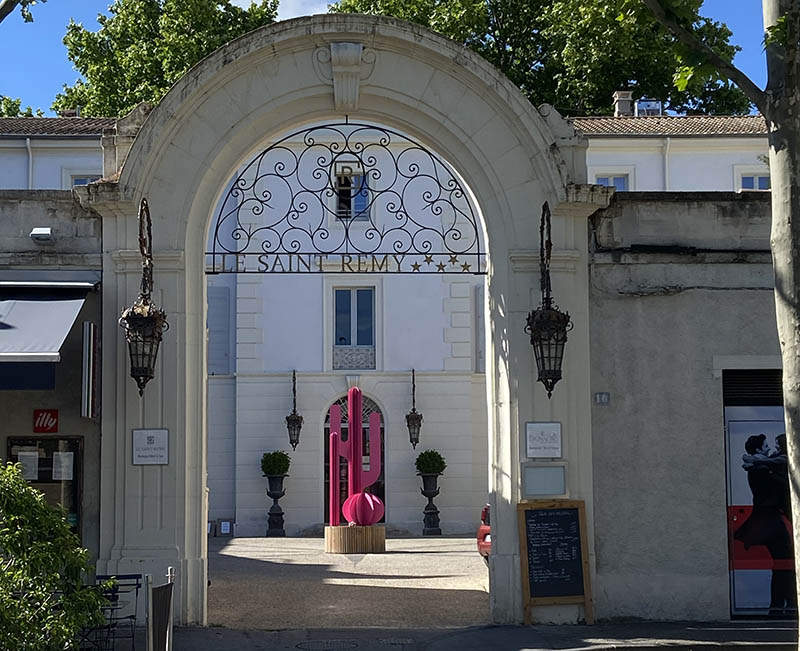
(368, 406)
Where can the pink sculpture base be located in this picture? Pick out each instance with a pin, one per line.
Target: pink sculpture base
(363, 509)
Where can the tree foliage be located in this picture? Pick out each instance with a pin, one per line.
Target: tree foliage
(12, 108)
(145, 46)
(43, 600)
(8, 6)
(575, 53)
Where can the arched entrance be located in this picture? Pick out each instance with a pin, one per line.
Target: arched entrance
(383, 71)
(369, 406)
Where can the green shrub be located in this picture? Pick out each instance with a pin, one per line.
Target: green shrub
(275, 463)
(430, 462)
(43, 599)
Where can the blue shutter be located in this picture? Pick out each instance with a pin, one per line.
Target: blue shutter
(219, 331)
(342, 318)
(365, 317)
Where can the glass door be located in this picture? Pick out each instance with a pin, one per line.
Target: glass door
(55, 467)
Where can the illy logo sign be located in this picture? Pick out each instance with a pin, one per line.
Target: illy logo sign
(45, 421)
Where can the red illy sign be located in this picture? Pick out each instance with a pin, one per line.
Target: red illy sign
(45, 421)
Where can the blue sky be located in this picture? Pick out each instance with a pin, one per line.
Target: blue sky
(37, 66)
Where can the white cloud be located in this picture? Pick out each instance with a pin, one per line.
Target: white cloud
(292, 8)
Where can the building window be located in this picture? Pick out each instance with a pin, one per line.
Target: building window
(352, 193)
(620, 182)
(754, 182)
(354, 328)
(84, 179)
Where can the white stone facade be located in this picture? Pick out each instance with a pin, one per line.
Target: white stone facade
(463, 335)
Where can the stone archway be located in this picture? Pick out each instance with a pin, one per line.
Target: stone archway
(512, 156)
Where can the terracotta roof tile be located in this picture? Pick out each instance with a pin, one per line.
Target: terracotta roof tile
(54, 126)
(673, 125)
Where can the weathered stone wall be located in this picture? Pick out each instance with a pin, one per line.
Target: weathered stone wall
(77, 232)
(677, 281)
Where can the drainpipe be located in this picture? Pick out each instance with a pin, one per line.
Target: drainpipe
(667, 143)
(30, 163)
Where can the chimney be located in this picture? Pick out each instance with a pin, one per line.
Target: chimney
(623, 103)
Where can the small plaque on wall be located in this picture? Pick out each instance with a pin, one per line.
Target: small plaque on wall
(150, 447)
(543, 440)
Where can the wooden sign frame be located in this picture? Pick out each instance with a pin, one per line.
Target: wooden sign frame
(528, 601)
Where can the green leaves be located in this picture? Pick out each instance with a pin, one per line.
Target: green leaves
(43, 602)
(575, 53)
(145, 46)
(12, 108)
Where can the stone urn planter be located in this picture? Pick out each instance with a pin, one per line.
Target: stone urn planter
(430, 465)
(274, 466)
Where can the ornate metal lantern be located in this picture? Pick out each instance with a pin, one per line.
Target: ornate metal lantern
(547, 325)
(294, 421)
(414, 418)
(143, 322)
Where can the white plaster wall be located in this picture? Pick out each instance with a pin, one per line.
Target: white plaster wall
(428, 324)
(54, 161)
(454, 421)
(291, 322)
(14, 166)
(694, 163)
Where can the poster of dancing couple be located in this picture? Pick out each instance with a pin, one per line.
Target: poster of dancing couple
(759, 518)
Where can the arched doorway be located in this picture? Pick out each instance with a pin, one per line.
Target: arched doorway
(369, 406)
(271, 81)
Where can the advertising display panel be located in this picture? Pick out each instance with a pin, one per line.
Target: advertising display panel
(759, 515)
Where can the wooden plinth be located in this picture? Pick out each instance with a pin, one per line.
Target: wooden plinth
(355, 540)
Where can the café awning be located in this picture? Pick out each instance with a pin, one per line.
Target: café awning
(36, 319)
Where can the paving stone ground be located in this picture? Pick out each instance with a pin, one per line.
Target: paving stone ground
(291, 583)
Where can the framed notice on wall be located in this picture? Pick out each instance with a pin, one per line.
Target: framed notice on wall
(150, 447)
(554, 557)
(543, 440)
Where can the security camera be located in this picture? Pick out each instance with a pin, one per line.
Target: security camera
(42, 235)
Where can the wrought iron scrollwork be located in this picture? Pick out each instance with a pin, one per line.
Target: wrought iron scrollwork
(283, 211)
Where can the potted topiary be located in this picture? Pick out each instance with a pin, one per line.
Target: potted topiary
(275, 465)
(430, 464)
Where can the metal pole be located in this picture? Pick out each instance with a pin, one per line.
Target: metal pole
(170, 579)
(148, 610)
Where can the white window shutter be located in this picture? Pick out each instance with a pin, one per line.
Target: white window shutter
(219, 331)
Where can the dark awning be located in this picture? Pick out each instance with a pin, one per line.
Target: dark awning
(34, 321)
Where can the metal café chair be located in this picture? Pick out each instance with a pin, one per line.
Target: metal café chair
(123, 598)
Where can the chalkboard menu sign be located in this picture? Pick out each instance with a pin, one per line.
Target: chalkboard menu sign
(553, 554)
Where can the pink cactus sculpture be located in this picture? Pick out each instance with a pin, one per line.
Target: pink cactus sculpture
(359, 508)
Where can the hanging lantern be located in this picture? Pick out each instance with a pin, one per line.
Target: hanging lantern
(294, 421)
(143, 322)
(414, 418)
(547, 325)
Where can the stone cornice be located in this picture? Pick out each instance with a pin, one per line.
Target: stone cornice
(527, 261)
(106, 199)
(130, 261)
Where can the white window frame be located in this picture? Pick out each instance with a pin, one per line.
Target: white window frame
(337, 281)
(614, 170)
(354, 317)
(350, 168)
(748, 170)
(68, 173)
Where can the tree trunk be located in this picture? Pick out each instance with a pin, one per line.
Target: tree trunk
(783, 120)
